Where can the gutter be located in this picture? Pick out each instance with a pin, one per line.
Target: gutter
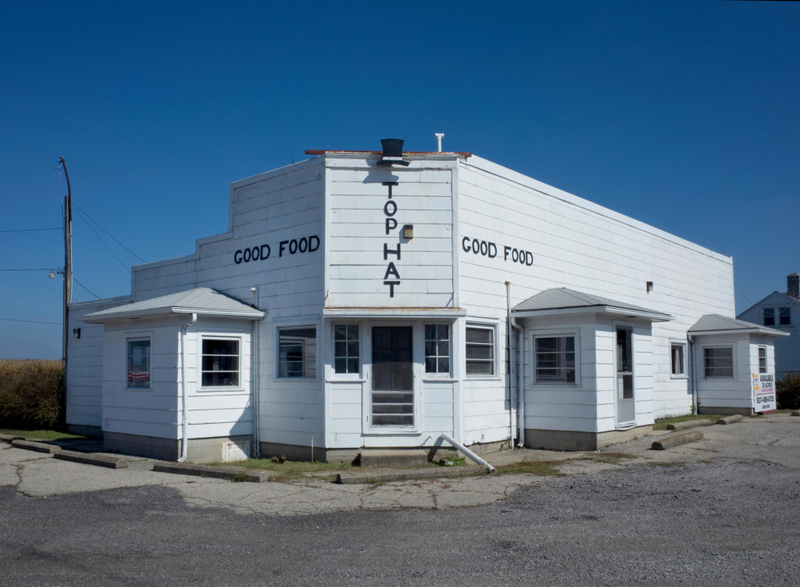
(184, 394)
(692, 385)
(512, 320)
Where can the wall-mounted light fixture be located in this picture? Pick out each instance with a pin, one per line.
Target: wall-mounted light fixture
(408, 231)
(649, 286)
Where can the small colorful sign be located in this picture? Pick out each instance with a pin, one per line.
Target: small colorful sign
(764, 392)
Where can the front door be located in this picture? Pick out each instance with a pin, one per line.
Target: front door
(626, 407)
(392, 376)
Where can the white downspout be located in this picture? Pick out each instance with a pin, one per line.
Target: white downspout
(255, 377)
(520, 370)
(490, 469)
(691, 372)
(184, 410)
(511, 396)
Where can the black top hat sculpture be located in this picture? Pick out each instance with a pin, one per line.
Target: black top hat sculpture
(392, 153)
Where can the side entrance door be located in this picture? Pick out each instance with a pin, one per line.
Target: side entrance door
(392, 376)
(626, 406)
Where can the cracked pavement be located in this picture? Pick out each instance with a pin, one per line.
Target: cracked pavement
(774, 438)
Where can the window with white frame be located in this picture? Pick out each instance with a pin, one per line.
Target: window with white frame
(555, 359)
(762, 359)
(139, 363)
(718, 361)
(437, 348)
(297, 352)
(480, 350)
(346, 348)
(220, 364)
(785, 316)
(678, 355)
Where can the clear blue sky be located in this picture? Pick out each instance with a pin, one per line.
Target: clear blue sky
(685, 115)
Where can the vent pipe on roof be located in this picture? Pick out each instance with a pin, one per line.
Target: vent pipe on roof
(392, 153)
(439, 137)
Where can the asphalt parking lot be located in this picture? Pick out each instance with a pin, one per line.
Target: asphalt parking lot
(722, 510)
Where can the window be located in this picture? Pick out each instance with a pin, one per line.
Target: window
(297, 352)
(718, 361)
(678, 353)
(437, 348)
(555, 359)
(480, 351)
(783, 316)
(220, 362)
(345, 348)
(762, 359)
(139, 363)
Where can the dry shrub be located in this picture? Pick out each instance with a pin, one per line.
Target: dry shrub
(788, 392)
(31, 394)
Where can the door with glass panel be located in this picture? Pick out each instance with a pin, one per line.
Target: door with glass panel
(392, 376)
(626, 407)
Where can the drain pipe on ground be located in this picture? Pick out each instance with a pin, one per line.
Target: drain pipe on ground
(489, 469)
(184, 410)
(520, 370)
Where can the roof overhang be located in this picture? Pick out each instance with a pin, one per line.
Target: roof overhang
(623, 312)
(167, 312)
(447, 313)
(764, 331)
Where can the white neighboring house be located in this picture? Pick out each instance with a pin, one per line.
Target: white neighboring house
(782, 312)
(366, 299)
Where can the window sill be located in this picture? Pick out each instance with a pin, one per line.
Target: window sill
(430, 379)
(679, 377)
(222, 390)
(343, 380)
(393, 432)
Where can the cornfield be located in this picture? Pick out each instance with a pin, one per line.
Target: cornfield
(31, 393)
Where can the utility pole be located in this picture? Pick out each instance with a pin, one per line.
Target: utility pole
(67, 267)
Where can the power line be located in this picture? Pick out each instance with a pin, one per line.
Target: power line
(86, 288)
(109, 234)
(46, 269)
(30, 229)
(743, 295)
(106, 244)
(30, 321)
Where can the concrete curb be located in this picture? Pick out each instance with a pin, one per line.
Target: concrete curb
(689, 424)
(730, 419)
(677, 439)
(796, 413)
(385, 476)
(90, 459)
(229, 473)
(9, 439)
(37, 446)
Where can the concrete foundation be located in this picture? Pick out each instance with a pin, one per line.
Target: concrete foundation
(725, 411)
(81, 430)
(564, 440)
(201, 450)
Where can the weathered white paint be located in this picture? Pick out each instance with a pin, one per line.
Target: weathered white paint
(341, 200)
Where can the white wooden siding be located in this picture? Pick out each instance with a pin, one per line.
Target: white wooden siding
(85, 369)
(582, 246)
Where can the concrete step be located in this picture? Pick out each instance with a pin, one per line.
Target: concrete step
(394, 458)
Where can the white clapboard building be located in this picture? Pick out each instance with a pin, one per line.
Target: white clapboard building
(379, 299)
